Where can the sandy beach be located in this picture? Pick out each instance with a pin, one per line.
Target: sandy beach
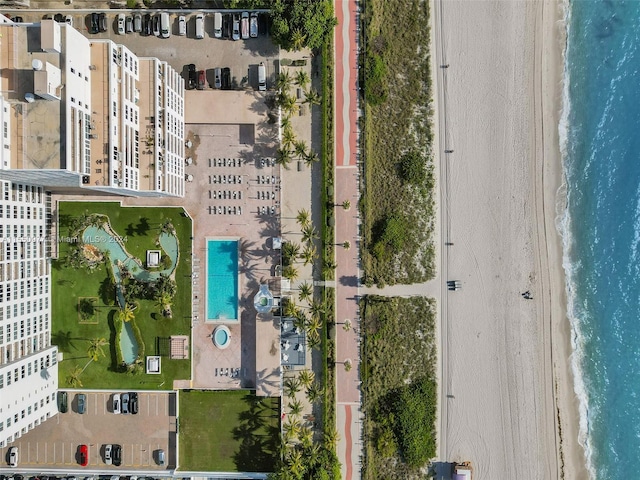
(507, 402)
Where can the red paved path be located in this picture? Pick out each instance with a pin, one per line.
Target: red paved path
(347, 272)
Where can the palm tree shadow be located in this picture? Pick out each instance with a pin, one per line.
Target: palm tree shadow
(64, 341)
(259, 438)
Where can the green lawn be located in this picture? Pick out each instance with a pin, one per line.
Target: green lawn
(228, 431)
(140, 226)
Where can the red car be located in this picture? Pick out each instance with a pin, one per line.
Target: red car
(84, 455)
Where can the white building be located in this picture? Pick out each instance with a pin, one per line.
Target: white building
(28, 361)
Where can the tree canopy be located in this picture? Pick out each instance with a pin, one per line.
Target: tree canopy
(301, 23)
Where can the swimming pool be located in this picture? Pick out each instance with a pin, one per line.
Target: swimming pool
(222, 280)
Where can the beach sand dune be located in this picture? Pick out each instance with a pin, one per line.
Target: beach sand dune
(498, 104)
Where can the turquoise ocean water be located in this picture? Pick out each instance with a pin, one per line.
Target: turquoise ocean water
(600, 137)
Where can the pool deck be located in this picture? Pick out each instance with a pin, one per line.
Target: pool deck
(245, 136)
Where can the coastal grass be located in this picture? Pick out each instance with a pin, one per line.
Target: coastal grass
(139, 227)
(399, 399)
(398, 216)
(228, 431)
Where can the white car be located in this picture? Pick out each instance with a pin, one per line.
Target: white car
(13, 457)
(182, 25)
(117, 404)
(107, 454)
(121, 24)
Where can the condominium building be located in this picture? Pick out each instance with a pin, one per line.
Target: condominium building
(28, 361)
(76, 105)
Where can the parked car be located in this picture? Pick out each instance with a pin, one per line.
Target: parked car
(108, 449)
(217, 82)
(102, 20)
(93, 23)
(226, 78)
(13, 457)
(116, 403)
(182, 25)
(117, 455)
(58, 17)
(253, 25)
(68, 19)
(125, 403)
(236, 27)
(199, 26)
(137, 23)
(147, 24)
(156, 25)
(63, 405)
(133, 402)
(165, 26)
(17, 19)
(83, 455)
(128, 24)
(263, 21)
(245, 25)
(82, 402)
(160, 457)
(193, 76)
(120, 24)
(227, 21)
(202, 80)
(217, 25)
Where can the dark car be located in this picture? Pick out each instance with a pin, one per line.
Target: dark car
(202, 80)
(217, 81)
(58, 17)
(133, 402)
(192, 78)
(63, 404)
(103, 22)
(156, 25)
(83, 455)
(93, 23)
(128, 24)
(146, 24)
(17, 19)
(226, 78)
(226, 25)
(82, 402)
(117, 455)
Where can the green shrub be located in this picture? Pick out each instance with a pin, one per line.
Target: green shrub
(413, 168)
(117, 326)
(375, 81)
(301, 23)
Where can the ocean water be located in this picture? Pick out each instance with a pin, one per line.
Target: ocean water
(600, 138)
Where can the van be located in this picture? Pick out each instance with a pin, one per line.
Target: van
(200, 26)
(262, 77)
(120, 23)
(164, 25)
(217, 25)
(182, 26)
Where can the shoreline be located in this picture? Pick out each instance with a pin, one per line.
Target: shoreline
(552, 49)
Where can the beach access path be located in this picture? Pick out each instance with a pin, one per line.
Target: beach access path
(497, 68)
(347, 274)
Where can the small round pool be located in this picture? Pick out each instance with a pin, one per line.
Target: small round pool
(221, 337)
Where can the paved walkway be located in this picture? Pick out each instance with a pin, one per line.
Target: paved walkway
(348, 271)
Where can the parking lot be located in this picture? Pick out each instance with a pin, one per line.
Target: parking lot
(241, 57)
(55, 443)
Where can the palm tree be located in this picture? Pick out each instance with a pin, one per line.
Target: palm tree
(305, 291)
(292, 426)
(285, 123)
(127, 314)
(290, 308)
(309, 254)
(329, 266)
(290, 272)
(312, 97)
(163, 302)
(314, 392)
(95, 348)
(301, 149)
(283, 157)
(347, 365)
(317, 309)
(303, 218)
(309, 233)
(288, 104)
(306, 439)
(296, 464)
(298, 39)
(306, 378)
(300, 320)
(346, 204)
(313, 326)
(313, 339)
(346, 245)
(310, 158)
(284, 81)
(290, 250)
(167, 227)
(291, 386)
(330, 437)
(302, 78)
(73, 379)
(295, 407)
(288, 137)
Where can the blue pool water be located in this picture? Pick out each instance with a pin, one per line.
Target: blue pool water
(222, 337)
(601, 228)
(222, 280)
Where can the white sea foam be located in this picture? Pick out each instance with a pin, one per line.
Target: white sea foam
(563, 224)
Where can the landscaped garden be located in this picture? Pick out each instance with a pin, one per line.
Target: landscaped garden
(228, 431)
(111, 305)
(399, 387)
